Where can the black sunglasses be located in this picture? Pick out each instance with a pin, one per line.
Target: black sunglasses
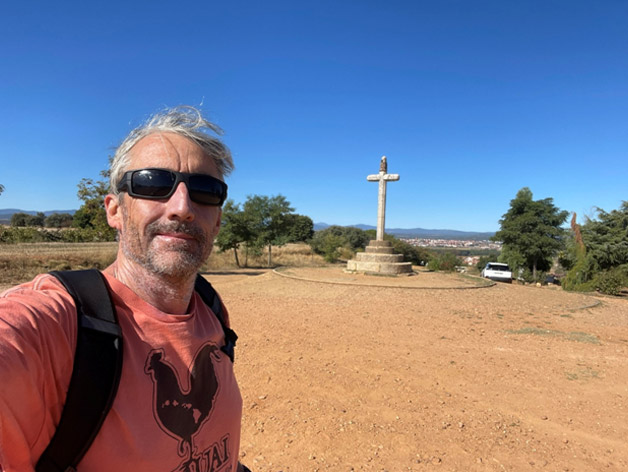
(156, 184)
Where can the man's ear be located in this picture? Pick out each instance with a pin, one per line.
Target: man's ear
(113, 208)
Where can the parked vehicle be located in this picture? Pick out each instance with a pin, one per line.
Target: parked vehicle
(552, 279)
(497, 271)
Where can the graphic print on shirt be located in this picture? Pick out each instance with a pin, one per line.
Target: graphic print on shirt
(181, 414)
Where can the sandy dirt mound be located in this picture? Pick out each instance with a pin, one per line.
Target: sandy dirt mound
(359, 377)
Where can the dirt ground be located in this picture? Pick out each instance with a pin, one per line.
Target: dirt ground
(361, 375)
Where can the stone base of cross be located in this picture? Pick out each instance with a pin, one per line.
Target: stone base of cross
(383, 177)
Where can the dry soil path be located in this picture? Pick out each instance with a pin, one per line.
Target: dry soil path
(358, 377)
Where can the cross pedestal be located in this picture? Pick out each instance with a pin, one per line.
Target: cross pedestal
(379, 256)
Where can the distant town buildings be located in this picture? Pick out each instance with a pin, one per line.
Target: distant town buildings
(471, 260)
(454, 243)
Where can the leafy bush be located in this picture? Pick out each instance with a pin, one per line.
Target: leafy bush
(578, 278)
(415, 255)
(19, 234)
(611, 282)
(444, 261)
(341, 242)
(338, 241)
(29, 234)
(87, 235)
(327, 244)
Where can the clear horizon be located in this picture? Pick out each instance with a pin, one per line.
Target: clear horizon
(470, 102)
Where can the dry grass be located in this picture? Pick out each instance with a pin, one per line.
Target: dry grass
(21, 262)
(290, 255)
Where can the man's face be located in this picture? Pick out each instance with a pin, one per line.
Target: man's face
(170, 237)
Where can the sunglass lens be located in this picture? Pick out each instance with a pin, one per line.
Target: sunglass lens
(206, 189)
(153, 183)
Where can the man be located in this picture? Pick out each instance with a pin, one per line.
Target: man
(178, 406)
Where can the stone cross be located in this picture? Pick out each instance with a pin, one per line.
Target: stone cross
(382, 178)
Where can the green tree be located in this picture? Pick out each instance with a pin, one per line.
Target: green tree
(91, 215)
(20, 219)
(531, 232)
(300, 228)
(598, 257)
(25, 219)
(36, 220)
(356, 238)
(606, 238)
(58, 220)
(268, 220)
(235, 230)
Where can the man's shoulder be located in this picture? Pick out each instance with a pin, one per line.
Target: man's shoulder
(41, 285)
(44, 297)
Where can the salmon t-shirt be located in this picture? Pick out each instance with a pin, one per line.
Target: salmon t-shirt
(178, 406)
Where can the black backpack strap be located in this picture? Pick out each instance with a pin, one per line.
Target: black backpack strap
(96, 373)
(211, 299)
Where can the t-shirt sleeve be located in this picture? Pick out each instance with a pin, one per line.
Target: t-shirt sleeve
(37, 343)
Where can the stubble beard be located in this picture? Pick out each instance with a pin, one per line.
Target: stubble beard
(176, 262)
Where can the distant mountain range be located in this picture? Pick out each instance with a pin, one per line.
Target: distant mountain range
(422, 233)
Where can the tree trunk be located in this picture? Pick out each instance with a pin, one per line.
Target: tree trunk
(270, 257)
(534, 270)
(235, 253)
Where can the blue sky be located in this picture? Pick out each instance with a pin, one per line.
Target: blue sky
(470, 100)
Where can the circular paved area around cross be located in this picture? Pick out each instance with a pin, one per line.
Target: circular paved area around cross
(422, 279)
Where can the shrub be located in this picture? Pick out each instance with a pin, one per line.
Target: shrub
(610, 282)
(19, 234)
(16, 235)
(330, 245)
(445, 261)
(413, 254)
(330, 242)
(578, 278)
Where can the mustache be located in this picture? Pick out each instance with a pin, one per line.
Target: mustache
(156, 227)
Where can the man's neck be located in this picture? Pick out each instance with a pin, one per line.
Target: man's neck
(168, 295)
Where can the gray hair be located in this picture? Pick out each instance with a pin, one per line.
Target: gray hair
(185, 121)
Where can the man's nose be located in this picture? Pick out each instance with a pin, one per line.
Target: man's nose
(179, 205)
